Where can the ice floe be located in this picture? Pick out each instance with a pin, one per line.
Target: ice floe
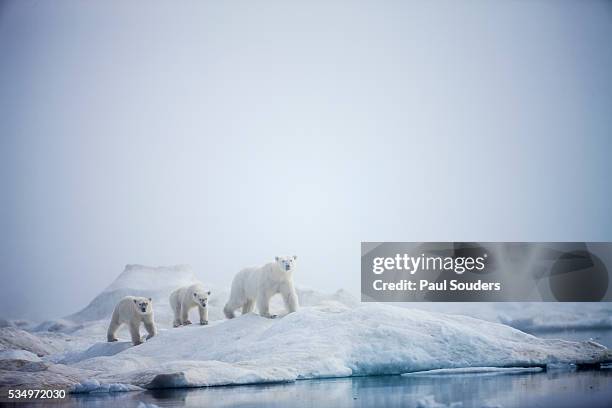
(332, 335)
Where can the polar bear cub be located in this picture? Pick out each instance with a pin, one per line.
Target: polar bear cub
(184, 299)
(258, 285)
(133, 310)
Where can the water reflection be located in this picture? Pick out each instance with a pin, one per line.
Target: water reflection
(558, 388)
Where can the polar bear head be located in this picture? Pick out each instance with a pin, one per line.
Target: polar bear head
(143, 305)
(201, 297)
(286, 263)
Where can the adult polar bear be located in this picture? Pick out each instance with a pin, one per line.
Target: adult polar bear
(253, 285)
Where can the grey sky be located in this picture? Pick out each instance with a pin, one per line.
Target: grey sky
(220, 134)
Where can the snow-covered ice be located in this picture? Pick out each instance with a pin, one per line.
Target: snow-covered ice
(332, 335)
(12, 338)
(370, 339)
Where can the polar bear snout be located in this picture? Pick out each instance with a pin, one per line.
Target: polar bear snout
(201, 299)
(286, 263)
(143, 306)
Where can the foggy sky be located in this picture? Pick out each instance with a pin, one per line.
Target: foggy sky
(221, 134)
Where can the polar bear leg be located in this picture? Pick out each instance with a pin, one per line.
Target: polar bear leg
(176, 309)
(228, 312)
(248, 306)
(175, 304)
(203, 315)
(290, 298)
(238, 296)
(177, 315)
(185, 315)
(149, 325)
(263, 305)
(112, 328)
(135, 333)
(235, 301)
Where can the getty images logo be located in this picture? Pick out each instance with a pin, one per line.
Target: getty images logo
(412, 264)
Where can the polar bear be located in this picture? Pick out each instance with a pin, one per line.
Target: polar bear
(184, 299)
(132, 311)
(252, 285)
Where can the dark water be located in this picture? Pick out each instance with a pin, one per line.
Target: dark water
(555, 388)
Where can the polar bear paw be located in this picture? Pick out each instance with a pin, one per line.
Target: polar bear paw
(204, 322)
(186, 322)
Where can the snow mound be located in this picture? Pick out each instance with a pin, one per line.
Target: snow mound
(19, 355)
(313, 297)
(19, 323)
(39, 375)
(153, 278)
(20, 360)
(137, 280)
(58, 326)
(371, 339)
(16, 339)
(97, 350)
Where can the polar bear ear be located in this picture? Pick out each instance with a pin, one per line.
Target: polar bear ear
(135, 301)
(209, 292)
(294, 257)
(195, 294)
(276, 258)
(150, 300)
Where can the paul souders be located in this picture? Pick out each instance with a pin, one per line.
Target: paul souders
(441, 286)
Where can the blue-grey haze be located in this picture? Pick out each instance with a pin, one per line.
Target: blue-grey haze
(220, 134)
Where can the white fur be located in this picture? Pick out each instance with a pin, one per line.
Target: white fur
(258, 285)
(184, 299)
(129, 311)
